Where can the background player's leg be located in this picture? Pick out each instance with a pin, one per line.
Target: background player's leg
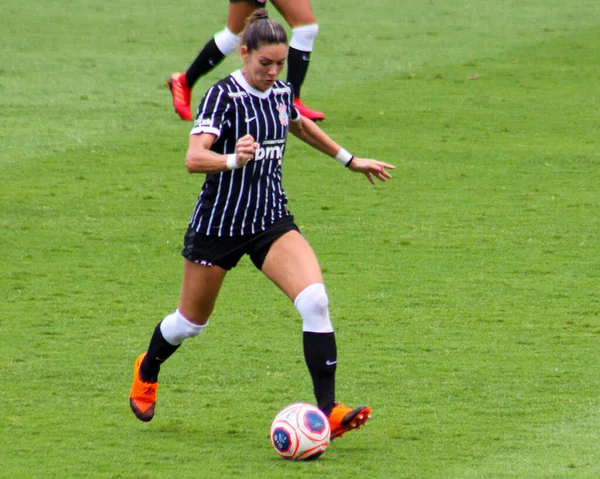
(300, 17)
(224, 42)
(214, 51)
(295, 12)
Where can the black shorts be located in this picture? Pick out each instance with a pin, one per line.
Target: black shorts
(226, 251)
(254, 3)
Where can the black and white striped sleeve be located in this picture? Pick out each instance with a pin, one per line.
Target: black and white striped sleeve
(211, 112)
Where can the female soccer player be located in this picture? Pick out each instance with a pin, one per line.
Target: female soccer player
(238, 141)
(299, 16)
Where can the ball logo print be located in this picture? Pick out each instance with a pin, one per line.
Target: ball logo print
(314, 422)
(300, 432)
(282, 440)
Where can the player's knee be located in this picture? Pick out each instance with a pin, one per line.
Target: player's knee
(303, 38)
(175, 328)
(227, 41)
(313, 305)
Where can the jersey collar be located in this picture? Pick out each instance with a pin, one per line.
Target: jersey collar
(239, 78)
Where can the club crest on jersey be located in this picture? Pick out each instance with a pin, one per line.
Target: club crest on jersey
(283, 115)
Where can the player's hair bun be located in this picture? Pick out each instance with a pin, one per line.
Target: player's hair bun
(260, 14)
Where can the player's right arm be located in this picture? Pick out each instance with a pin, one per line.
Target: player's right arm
(201, 159)
(208, 127)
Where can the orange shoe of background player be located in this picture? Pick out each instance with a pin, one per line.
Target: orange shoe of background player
(343, 419)
(182, 95)
(142, 397)
(306, 112)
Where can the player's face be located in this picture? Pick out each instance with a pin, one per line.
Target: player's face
(263, 66)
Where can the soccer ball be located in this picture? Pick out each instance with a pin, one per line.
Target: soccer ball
(300, 431)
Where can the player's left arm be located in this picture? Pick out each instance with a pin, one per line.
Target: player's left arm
(310, 133)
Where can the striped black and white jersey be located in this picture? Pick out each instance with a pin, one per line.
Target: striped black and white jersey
(249, 199)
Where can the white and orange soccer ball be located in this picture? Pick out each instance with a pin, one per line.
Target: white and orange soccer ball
(301, 432)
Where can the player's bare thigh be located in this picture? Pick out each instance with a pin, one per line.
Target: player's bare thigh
(237, 14)
(199, 291)
(291, 264)
(295, 12)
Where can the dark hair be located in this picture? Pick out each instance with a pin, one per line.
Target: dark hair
(261, 30)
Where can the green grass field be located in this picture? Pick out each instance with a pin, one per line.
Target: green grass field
(464, 292)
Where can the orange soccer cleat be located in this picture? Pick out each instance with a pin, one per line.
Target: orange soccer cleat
(142, 397)
(306, 112)
(343, 419)
(182, 95)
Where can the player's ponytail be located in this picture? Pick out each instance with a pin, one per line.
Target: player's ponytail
(261, 30)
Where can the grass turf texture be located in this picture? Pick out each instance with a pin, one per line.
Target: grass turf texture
(464, 292)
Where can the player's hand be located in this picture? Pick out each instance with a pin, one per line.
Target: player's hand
(245, 149)
(371, 169)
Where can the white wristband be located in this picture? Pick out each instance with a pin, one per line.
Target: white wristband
(344, 157)
(232, 163)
